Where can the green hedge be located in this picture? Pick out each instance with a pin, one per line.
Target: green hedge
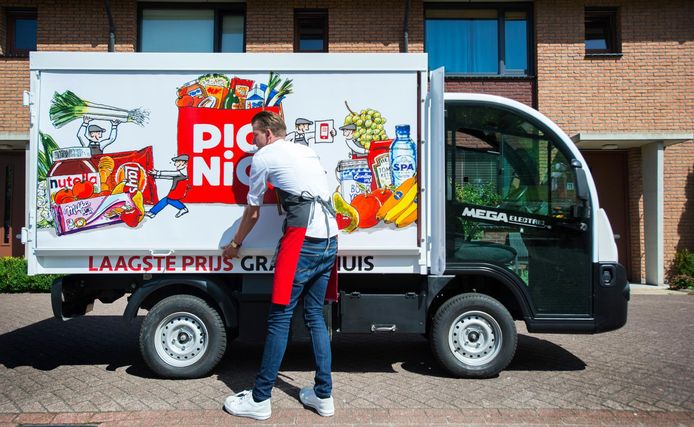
(13, 277)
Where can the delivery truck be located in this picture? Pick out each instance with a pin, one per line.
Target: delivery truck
(459, 213)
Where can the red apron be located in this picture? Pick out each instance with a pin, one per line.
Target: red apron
(299, 211)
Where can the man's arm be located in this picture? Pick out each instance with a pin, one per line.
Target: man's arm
(112, 136)
(248, 221)
(82, 134)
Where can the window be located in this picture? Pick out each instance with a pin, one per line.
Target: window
(601, 31)
(512, 202)
(174, 29)
(21, 32)
(310, 30)
(475, 40)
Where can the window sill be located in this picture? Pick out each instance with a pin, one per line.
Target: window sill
(613, 55)
(489, 76)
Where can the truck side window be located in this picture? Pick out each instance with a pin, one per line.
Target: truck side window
(509, 203)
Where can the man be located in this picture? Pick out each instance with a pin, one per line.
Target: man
(179, 187)
(305, 265)
(301, 134)
(90, 135)
(355, 148)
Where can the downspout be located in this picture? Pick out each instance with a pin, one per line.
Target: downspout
(111, 28)
(406, 28)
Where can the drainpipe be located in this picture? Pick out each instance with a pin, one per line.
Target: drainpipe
(111, 28)
(405, 28)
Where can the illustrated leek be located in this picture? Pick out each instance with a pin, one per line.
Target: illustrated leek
(67, 107)
(272, 95)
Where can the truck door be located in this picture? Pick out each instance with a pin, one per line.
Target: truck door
(512, 204)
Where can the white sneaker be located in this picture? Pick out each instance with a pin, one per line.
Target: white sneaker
(325, 407)
(242, 405)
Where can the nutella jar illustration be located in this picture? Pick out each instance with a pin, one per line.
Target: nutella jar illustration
(70, 166)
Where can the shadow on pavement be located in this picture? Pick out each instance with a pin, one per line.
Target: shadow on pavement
(110, 341)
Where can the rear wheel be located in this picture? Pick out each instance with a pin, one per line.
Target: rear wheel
(473, 335)
(182, 336)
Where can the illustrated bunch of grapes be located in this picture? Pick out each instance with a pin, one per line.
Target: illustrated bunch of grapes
(369, 124)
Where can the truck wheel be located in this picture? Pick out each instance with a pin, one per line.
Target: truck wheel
(473, 336)
(182, 337)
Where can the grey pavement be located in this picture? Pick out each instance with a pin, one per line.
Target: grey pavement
(89, 370)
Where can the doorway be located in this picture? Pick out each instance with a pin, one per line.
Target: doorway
(610, 172)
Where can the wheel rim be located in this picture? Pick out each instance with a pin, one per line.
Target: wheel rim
(181, 339)
(475, 338)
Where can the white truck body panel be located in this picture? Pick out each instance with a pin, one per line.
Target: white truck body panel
(394, 85)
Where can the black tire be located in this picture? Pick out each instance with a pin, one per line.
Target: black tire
(182, 337)
(489, 329)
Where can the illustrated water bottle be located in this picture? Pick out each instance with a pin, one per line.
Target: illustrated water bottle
(403, 155)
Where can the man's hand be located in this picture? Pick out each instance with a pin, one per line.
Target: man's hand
(115, 122)
(153, 172)
(230, 252)
(86, 119)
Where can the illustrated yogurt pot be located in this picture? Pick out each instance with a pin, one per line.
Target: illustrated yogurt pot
(354, 177)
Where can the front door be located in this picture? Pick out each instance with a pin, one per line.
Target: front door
(609, 170)
(512, 205)
(11, 202)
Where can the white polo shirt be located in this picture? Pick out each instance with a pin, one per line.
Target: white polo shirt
(293, 168)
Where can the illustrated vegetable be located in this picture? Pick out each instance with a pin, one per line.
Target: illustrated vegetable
(67, 107)
(272, 95)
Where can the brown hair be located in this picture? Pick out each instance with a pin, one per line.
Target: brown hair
(268, 120)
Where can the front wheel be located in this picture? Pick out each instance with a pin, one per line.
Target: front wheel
(182, 336)
(473, 336)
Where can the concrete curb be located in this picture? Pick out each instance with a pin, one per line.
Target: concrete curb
(355, 416)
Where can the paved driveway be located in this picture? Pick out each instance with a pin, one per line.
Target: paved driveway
(89, 369)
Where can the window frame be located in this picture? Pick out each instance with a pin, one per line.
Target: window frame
(220, 10)
(502, 9)
(11, 16)
(310, 14)
(613, 37)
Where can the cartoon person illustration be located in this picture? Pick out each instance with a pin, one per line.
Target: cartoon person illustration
(302, 132)
(356, 150)
(179, 187)
(91, 135)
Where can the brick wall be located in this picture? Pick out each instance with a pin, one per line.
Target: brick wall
(648, 89)
(679, 200)
(76, 25)
(354, 26)
(635, 207)
(521, 90)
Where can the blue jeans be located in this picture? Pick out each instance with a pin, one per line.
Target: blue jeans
(166, 201)
(310, 282)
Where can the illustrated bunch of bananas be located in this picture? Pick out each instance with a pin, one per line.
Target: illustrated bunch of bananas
(401, 206)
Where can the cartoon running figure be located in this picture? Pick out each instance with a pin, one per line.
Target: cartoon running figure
(91, 135)
(179, 187)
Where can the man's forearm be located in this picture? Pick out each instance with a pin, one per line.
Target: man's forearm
(248, 221)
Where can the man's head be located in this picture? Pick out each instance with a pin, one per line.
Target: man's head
(302, 125)
(95, 132)
(268, 127)
(180, 162)
(348, 130)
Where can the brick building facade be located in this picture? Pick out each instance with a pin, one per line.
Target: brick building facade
(632, 98)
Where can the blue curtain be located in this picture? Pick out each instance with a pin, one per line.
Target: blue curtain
(463, 45)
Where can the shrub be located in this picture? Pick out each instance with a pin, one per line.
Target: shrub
(683, 270)
(682, 281)
(14, 278)
(684, 262)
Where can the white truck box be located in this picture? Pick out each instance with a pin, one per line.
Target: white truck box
(459, 213)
